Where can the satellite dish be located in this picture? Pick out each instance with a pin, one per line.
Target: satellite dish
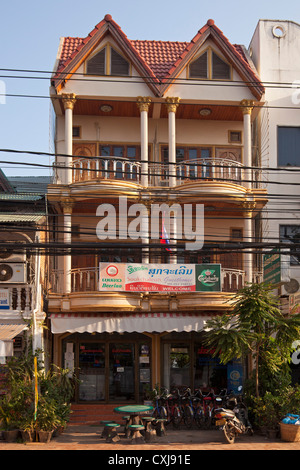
(292, 286)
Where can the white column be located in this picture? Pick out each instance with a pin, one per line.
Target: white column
(67, 208)
(248, 238)
(69, 100)
(247, 107)
(145, 235)
(172, 104)
(143, 103)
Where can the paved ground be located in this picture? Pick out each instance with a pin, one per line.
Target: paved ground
(183, 440)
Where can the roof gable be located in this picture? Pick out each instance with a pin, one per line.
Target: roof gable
(5, 186)
(158, 62)
(79, 50)
(234, 54)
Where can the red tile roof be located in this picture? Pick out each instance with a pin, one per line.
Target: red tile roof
(159, 55)
(158, 59)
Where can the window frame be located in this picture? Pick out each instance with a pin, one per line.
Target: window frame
(210, 51)
(107, 61)
(284, 238)
(280, 164)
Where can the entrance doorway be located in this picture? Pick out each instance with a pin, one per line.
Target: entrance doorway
(109, 367)
(121, 371)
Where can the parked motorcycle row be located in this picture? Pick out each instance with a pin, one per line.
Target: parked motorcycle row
(225, 411)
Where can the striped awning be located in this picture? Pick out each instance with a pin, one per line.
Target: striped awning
(9, 331)
(144, 322)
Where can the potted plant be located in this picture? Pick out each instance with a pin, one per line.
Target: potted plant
(47, 419)
(27, 427)
(8, 419)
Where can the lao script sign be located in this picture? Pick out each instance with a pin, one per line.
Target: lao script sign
(158, 277)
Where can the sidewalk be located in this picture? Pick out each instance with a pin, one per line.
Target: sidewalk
(89, 438)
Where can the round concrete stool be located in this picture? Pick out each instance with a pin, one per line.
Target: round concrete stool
(136, 435)
(105, 429)
(112, 434)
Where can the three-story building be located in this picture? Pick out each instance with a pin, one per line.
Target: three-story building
(153, 144)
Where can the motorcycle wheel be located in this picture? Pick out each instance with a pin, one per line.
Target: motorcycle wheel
(188, 417)
(229, 433)
(200, 418)
(176, 418)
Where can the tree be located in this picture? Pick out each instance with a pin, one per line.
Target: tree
(255, 325)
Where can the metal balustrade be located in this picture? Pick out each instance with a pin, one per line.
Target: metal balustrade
(117, 168)
(86, 169)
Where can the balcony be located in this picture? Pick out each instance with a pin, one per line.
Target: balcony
(85, 296)
(20, 299)
(118, 168)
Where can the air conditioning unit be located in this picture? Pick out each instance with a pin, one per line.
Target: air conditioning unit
(9, 256)
(12, 273)
(291, 287)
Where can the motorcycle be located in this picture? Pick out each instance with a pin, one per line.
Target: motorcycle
(233, 420)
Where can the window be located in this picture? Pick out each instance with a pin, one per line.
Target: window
(108, 62)
(235, 137)
(288, 139)
(210, 66)
(220, 70)
(118, 65)
(76, 132)
(291, 234)
(199, 68)
(96, 65)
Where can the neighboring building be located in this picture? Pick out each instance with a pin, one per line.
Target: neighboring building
(274, 50)
(22, 268)
(155, 122)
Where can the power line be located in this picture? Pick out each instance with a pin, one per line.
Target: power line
(78, 76)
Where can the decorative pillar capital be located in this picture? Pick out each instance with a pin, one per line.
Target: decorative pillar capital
(248, 207)
(143, 103)
(172, 104)
(247, 106)
(69, 100)
(67, 205)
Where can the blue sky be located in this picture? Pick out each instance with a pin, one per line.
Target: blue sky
(30, 33)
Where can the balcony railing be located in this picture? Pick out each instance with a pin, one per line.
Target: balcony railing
(86, 280)
(19, 299)
(86, 169)
(117, 168)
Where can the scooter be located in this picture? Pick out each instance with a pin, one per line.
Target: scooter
(233, 420)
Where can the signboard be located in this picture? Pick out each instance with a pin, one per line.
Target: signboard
(159, 277)
(272, 267)
(208, 277)
(234, 376)
(4, 299)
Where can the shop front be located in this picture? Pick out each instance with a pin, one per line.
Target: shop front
(120, 366)
(110, 367)
(186, 362)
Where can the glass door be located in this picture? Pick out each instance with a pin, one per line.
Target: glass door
(91, 371)
(176, 365)
(121, 371)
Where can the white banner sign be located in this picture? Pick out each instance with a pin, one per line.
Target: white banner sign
(147, 277)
